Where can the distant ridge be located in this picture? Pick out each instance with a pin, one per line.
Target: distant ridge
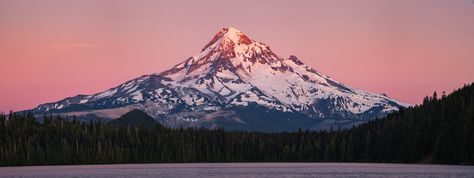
(135, 118)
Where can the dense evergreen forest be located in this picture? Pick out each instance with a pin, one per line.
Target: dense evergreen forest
(441, 130)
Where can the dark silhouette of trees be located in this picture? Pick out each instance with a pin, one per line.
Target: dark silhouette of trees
(441, 130)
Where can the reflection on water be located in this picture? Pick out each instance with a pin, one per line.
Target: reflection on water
(246, 170)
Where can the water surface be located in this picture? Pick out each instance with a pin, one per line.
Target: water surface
(246, 170)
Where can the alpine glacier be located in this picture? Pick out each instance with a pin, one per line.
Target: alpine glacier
(236, 83)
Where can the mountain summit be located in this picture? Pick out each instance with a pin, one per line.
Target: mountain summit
(233, 76)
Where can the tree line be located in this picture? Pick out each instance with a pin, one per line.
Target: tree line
(441, 130)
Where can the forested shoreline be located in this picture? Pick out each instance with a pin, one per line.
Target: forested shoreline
(441, 130)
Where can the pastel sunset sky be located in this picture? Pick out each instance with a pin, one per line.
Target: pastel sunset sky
(52, 49)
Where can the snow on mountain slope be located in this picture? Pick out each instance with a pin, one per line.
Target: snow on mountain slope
(233, 66)
(233, 70)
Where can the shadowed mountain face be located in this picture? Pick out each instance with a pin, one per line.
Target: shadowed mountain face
(135, 118)
(236, 83)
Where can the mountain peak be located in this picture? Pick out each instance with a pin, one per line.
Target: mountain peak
(236, 35)
(231, 29)
(229, 36)
(230, 49)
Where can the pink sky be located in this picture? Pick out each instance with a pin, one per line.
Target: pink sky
(50, 50)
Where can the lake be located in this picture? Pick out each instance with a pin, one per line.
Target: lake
(246, 170)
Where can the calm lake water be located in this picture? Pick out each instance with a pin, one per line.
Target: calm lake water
(246, 170)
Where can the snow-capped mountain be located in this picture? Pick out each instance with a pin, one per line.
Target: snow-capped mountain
(233, 76)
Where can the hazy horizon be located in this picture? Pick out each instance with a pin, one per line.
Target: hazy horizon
(407, 49)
